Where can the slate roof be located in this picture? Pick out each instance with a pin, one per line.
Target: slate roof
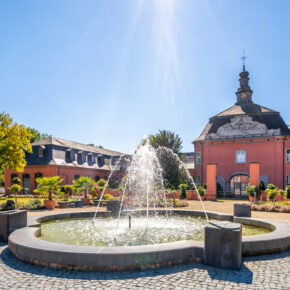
(269, 117)
(75, 145)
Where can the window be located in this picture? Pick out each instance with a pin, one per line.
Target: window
(288, 155)
(76, 176)
(40, 152)
(37, 175)
(197, 180)
(288, 179)
(97, 178)
(198, 158)
(72, 155)
(241, 156)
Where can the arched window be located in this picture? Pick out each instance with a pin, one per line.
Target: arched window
(241, 156)
(288, 155)
(37, 175)
(26, 183)
(64, 177)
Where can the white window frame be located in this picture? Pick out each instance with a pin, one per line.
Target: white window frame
(40, 152)
(288, 179)
(198, 158)
(288, 155)
(245, 155)
(197, 179)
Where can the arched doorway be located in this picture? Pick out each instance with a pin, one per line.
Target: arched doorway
(26, 184)
(237, 184)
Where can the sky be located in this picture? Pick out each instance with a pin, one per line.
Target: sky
(111, 72)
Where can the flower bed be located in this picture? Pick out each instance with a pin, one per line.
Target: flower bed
(271, 207)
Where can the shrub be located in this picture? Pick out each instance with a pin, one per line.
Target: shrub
(205, 186)
(271, 193)
(288, 191)
(107, 197)
(101, 182)
(262, 186)
(201, 190)
(251, 190)
(281, 192)
(66, 189)
(183, 194)
(181, 203)
(16, 180)
(271, 186)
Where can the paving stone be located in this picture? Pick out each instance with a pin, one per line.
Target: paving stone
(261, 272)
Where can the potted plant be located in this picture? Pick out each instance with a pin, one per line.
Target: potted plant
(48, 186)
(281, 193)
(84, 183)
(250, 192)
(271, 191)
(66, 190)
(183, 188)
(202, 192)
(15, 189)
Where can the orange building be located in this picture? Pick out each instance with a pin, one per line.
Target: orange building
(244, 133)
(69, 160)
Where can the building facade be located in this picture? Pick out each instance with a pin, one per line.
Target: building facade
(244, 133)
(69, 160)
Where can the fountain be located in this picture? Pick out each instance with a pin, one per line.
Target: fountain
(140, 234)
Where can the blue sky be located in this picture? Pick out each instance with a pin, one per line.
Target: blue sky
(111, 71)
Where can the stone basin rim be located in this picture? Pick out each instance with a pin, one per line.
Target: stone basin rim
(25, 245)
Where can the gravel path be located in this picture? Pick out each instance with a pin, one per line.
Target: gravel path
(261, 272)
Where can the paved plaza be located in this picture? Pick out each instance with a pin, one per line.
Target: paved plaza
(262, 272)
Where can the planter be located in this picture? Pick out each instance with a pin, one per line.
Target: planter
(49, 204)
(251, 198)
(11, 220)
(86, 201)
(79, 203)
(64, 204)
(202, 197)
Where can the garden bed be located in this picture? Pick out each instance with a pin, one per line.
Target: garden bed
(283, 207)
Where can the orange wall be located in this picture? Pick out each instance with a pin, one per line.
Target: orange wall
(50, 170)
(269, 152)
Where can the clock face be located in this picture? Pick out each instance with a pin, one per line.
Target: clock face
(243, 96)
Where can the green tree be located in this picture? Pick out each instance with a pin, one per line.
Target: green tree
(48, 185)
(36, 135)
(83, 184)
(14, 141)
(173, 173)
(166, 139)
(1, 177)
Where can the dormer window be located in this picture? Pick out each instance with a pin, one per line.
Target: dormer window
(72, 155)
(91, 158)
(101, 161)
(40, 152)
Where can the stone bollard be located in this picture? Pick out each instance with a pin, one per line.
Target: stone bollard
(10, 221)
(223, 245)
(242, 210)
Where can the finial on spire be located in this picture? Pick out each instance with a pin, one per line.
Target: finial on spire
(244, 59)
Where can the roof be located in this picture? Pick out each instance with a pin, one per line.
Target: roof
(259, 115)
(75, 145)
(242, 109)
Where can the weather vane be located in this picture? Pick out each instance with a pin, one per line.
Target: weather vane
(244, 59)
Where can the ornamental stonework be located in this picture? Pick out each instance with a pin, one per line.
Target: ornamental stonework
(243, 126)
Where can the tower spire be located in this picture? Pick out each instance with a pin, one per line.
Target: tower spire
(244, 92)
(244, 60)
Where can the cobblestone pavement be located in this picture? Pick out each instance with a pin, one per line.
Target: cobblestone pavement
(262, 272)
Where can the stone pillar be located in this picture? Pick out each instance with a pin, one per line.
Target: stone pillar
(223, 245)
(211, 181)
(242, 210)
(254, 173)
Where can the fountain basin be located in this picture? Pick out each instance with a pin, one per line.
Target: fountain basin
(25, 245)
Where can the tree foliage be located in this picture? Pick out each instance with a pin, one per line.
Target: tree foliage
(83, 184)
(48, 185)
(14, 141)
(166, 139)
(173, 173)
(36, 135)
